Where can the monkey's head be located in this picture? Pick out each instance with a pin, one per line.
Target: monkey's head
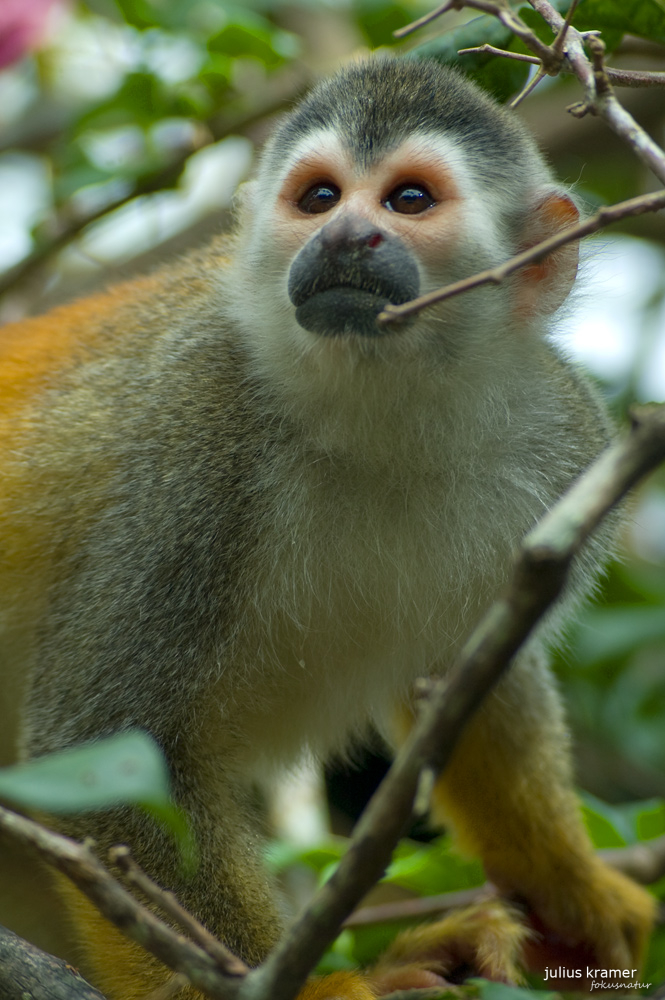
(391, 179)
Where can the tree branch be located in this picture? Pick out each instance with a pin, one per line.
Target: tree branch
(495, 275)
(25, 969)
(600, 99)
(566, 52)
(618, 77)
(538, 576)
(78, 863)
(225, 960)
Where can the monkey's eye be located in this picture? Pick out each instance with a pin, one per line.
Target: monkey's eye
(319, 198)
(409, 199)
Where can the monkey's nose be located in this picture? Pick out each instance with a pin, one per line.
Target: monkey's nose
(351, 231)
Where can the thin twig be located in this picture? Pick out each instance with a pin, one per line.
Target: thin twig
(605, 105)
(226, 961)
(78, 863)
(499, 9)
(530, 86)
(603, 86)
(408, 29)
(495, 275)
(419, 908)
(643, 862)
(558, 45)
(635, 77)
(617, 77)
(492, 50)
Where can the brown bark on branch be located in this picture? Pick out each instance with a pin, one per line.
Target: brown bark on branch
(26, 971)
(619, 77)
(225, 959)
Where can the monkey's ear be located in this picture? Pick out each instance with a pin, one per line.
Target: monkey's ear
(543, 286)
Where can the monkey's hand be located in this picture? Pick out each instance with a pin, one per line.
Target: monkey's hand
(601, 919)
(485, 940)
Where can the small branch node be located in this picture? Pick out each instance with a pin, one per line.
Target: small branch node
(423, 688)
(580, 109)
(424, 791)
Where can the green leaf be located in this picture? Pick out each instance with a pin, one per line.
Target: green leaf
(176, 822)
(378, 20)
(121, 770)
(639, 17)
(500, 991)
(281, 855)
(174, 15)
(216, 71)
(619, 825)
(68, 182)
(613, 632)
(654, 970)
(601, 831)
(650, 819)
(266, 44)
(127, 769)
(645, 580)
(142, 98)
(431, 869)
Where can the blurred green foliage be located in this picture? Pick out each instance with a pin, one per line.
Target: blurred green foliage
(226, 43)
(128, 768)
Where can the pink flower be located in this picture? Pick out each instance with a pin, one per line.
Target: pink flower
(22, 25)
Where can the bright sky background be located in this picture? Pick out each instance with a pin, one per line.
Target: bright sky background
(610, 329)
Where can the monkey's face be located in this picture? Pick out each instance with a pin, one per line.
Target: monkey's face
(391, 179)
(358, 237)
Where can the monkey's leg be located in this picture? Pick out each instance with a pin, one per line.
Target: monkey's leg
(508, 793)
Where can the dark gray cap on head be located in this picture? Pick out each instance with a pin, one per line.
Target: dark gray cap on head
(375, 104)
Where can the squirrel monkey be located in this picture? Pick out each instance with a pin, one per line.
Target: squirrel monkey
(242, 516)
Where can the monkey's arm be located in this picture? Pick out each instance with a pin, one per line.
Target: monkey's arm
(508, 794)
